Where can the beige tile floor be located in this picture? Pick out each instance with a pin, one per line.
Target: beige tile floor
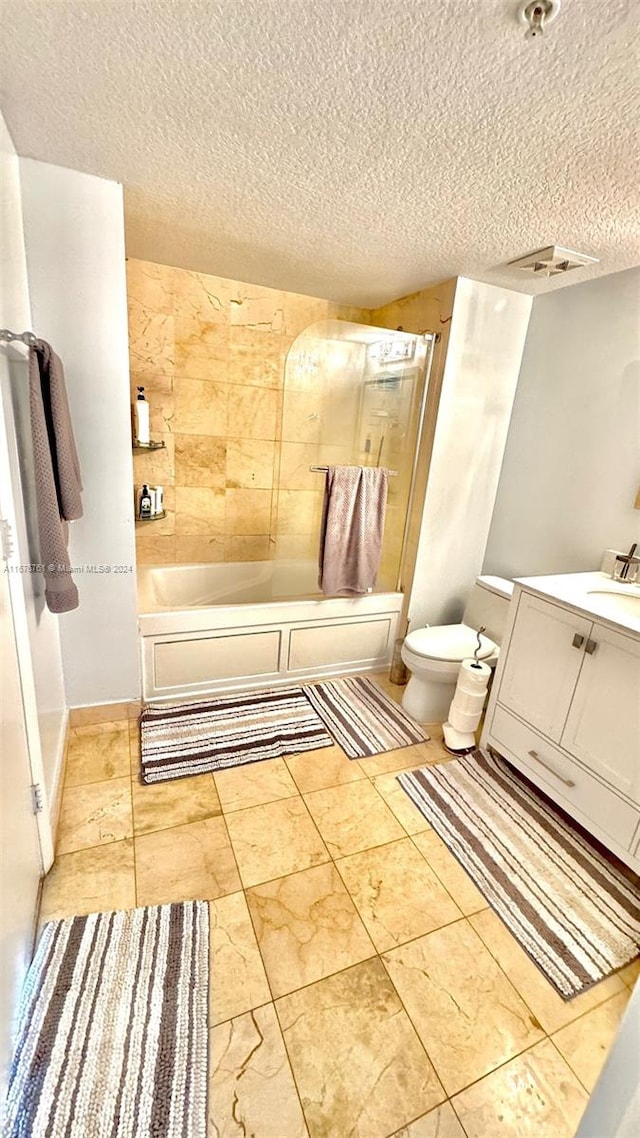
(361, 988)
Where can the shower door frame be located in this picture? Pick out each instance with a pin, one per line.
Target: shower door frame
(432, 339)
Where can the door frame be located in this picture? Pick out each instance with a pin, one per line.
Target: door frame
(10, 497)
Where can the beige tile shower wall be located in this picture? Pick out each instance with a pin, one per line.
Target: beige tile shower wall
(211, 355)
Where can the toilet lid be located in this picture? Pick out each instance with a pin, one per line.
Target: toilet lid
(449, 642)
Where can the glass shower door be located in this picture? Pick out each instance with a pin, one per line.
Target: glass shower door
(352, 396)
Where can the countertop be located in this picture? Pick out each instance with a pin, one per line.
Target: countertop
(595, 594)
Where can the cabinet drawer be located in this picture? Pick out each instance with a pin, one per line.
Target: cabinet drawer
(563, 779)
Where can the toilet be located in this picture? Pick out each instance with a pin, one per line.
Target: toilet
(433, 654)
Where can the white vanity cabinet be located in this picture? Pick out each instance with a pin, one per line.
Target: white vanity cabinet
(565, 710)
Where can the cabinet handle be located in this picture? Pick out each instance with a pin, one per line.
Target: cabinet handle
(536, 756)
(590, 647)
(578, 640)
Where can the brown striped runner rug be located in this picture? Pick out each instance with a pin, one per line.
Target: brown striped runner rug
(191, 738)
(112, 1039)
(362, 718)
(574, 913)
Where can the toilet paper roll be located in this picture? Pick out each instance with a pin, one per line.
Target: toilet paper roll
(469, 702)
(471, 689)
(474, 673)
(468, 699)
(463, 721)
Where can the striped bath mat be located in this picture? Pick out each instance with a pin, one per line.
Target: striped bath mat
(361, 718)
(112, 1039)
(191, 738)
(573, 912)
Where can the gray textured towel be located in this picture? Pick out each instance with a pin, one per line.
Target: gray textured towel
(355, 499)
(57, 473)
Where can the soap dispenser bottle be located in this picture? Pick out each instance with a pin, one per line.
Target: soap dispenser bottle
(145, 502)
(141, 419)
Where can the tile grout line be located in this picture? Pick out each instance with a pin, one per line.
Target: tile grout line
(564, 1059)
(98, 845)
(239, 809)
(235, 860)
(443, 884)
(457, 1116)
(415, 1031)
(425, 1114)
(505, 1061)
(499, 1066)
(273, 1000)
(95, 782)
(582, 1015)
(491, 954)
(310, 983)
(548, 1034)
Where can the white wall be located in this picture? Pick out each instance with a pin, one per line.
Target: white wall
(488, 331)
(613, 1110)
(571, 469)
(16, 313)
(45, 663)
(74, 239)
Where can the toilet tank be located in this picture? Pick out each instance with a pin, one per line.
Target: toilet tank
(488, 605)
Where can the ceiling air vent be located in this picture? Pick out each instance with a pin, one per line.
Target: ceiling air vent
(551, 261)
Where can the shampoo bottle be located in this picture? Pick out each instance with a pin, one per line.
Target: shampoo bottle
(145, 502)
(141, 417)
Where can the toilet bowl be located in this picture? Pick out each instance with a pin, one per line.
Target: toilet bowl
(434, 654)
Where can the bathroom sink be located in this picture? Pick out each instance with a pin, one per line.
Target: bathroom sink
(615, 603)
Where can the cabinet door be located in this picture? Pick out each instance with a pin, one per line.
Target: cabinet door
(603, 727)
(542, 664)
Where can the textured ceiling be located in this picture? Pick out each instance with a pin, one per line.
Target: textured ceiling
(352, 149)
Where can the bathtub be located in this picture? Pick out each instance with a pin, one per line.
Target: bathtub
(207, 629)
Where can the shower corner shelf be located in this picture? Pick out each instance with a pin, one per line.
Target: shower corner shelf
(153, 518)
(149, 446)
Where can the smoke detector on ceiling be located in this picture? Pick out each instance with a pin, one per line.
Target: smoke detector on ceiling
(551, 261)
